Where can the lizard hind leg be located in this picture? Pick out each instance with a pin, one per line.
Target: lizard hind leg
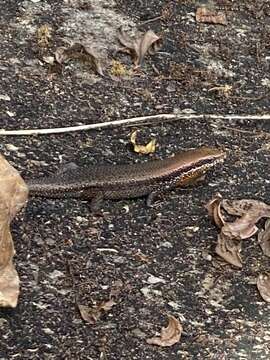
(152, 197)
(95, 204)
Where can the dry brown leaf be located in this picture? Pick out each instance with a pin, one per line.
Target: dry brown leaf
(240, 207)
(229, 250)
(169, 335)
(145, 43)
(149, 43)
(92, 314)
(240, 229)
(142, 149)
(80, 52)
(264, 238)
(13, 196)
(263, 285)
(205, 15)
(88, 314)
(107, 305)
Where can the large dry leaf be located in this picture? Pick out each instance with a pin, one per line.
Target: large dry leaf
(150, 147)
(169, 335)
(205, 15)
(264, 238)
(80, 52)
(92, 314)
(13, 196)
(147, 43)
(263, 285)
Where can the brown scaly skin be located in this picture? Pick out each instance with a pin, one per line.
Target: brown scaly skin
(128, 181)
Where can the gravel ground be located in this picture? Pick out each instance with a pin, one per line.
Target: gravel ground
(68, 256)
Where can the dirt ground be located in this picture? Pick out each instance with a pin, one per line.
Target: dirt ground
(65, 255)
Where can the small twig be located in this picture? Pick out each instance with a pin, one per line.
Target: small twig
(142, 120)
(239, 130)
(151, 20)
(253, 133)
(68, 129)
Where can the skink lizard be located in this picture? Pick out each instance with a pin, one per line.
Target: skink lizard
(128, 181)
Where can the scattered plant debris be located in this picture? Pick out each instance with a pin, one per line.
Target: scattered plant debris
(210, 16)
(80, 52)
(169, 335)
(44, 35)
(147, 43)
(119, 70)
(142, 257)
(225, 90)
(142, 149)
(116, 289)
(92, 314)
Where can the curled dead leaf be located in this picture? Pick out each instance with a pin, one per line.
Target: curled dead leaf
(169, 335)
(147, 43)
(80, 52)
(92, 314)
(263, 285)
(205, 15)
(142, 149)
(264, 238)
(214, 211)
